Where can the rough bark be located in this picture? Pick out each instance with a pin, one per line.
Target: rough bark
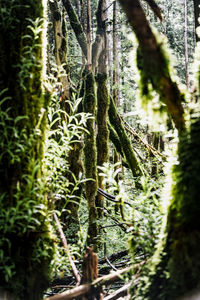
(26, 245)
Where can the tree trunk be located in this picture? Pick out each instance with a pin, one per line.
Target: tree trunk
(60, 51)
(186, 44)
(196, 15)
(102, 102)
(115, 83)
(26, 245)
(90, 157)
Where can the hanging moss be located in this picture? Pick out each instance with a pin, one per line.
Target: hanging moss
(103, 132)
(26, 244)
(124, 140)
(174, 270)
(90, 157)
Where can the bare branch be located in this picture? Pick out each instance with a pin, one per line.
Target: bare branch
(64, 241)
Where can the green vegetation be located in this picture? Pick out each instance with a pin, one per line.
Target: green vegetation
(81, 172)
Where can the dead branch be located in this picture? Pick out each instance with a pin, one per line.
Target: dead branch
(123, 291)
(149, 147)
(64, 241)
(110, 264)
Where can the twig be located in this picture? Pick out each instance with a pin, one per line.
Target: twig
(111, 265)
(64, 241)
(62, 286)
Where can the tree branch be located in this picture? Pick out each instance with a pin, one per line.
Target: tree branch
(154, 68)
(64, 241)
(76, 26)
(124, 141)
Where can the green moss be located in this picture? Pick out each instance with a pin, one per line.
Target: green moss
(26, 245)
(90, 156)
(125, 141)
(155, 76)
(103, 132)
(174, 269)
(76, 25)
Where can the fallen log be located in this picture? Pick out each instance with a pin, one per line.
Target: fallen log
(93, 287)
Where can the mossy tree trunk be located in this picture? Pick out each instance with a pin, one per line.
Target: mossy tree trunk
(26, 245)
(102, 101)
(90, 157)
(115, 82)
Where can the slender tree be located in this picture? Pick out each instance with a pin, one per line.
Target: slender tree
(186, 44)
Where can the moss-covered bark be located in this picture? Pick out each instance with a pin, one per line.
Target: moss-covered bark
(174, 269)
(76, 25)
(154, 64)
(90, 157)
(103, 132)
(26, 247)
(124, 140)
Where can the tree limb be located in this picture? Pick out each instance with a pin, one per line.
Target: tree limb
(124, 141)
(154, 68)
(76, 26)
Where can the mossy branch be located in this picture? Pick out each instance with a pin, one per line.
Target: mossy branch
(76, 26)
(154, 67)
(124, 140)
